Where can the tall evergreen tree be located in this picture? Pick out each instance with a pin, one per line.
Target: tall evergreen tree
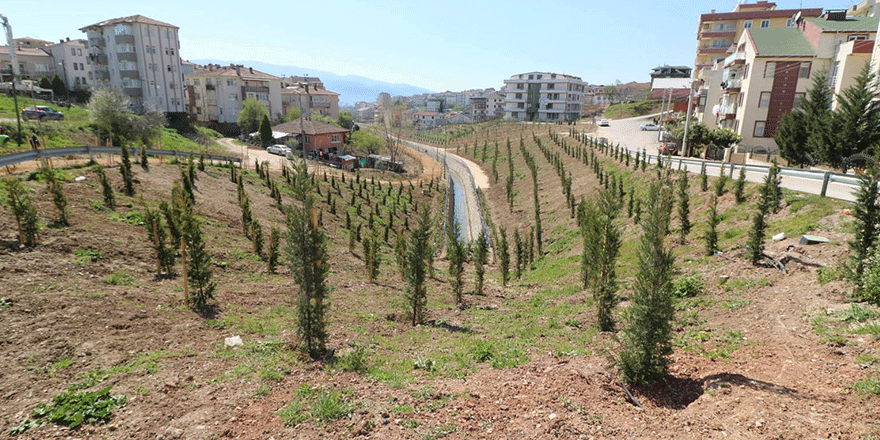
(504, 257)
(58, 196)
(857, 118)
(198, 266)
(866, 213)
(818, 118)
(712, 232)
(647, 338)
(265, 131)
(481, 254)
(792, 137)
(308, 261)
(602, 239)
(417, 254)
(125, 170)
(684, 209)
(759, 222)
(456, 251)
(23, 210)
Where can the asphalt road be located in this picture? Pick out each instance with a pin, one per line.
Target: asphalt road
(626, 132)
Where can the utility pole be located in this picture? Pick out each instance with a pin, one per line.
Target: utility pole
(13, 58)
(687, 121)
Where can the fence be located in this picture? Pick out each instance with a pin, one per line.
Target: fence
(26, 156)
(816, 176)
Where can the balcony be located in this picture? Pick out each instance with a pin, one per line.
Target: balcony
(129, 74)
(133, 91)
(736, 58)
(727, 111)
(717, 34)
(254, 89)
(97, 42)
(732, 86)
(99, 59)
(124, 39)
(711, 50)
(102, 74)
(127, 56)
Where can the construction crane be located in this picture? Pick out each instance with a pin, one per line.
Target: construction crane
(16, 73)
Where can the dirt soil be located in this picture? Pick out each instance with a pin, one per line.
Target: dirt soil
(64, 320)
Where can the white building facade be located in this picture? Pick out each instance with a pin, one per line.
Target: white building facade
(543, 97)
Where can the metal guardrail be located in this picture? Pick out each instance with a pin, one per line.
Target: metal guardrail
(26, 156)
(826, 177)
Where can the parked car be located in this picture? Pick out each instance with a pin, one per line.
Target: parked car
(650, 126)
(41, 113)
(669, 148)
(604, 123)
(280, 150)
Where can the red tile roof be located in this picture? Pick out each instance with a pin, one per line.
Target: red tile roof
(310, 127)
(231, 71)
(129, 19)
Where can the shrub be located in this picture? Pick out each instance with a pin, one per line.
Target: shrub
(23, 210)
(687, 286)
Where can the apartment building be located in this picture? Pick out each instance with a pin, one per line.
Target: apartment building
(310, 97)
(718, 31)
(771, 70)
(33, 63)
(141, 56)
(214, 93)
(72, 63)
(543, 97)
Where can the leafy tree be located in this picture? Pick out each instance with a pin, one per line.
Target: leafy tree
(698, 137)
(712, 232)
(58, 196)
(309, 265)
(366, 142)
(23, 210)
(724, 137)
(109, 114)
(857, 118)
(647, 339)
(251, 115)
(866, 213)
(417, 253)
(266, 131)
(504, 257)
(147, 128)
(345, 120)
(107, 189)
(291, 115)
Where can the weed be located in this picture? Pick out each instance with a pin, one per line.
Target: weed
(131, 217)
(870, 385)
(426, 364)
(355, 360)
(687, 286)
(60, 365)
(826, 275)
(857, 313)
(736, 303)
(439, 432)
(86, 256)
(120, 278)
(74, 409)
(326, 406)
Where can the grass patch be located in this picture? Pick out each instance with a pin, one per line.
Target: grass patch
(319, 406)
(132, 217)
(120, 278)
(73, 410)
(85, 256)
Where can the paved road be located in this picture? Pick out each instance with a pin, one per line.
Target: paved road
(627, 133)
(467, 208)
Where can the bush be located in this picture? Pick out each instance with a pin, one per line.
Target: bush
(73, 410)
(687, 286)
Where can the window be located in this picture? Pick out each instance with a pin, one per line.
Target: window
(798, 99)
(539, 76)
(81, 66)
(172, 86)
(765, 24)
(790, 23)
(746, 71)
(549, 106)
(531, 76)
(769, 69)
(122, 29)
(168, 68)
(856, 37)
(764, 102)
(72, 51)
(196, 82)
(520, 105)
(233, 96)
(334, 138)
(75, 66)
(230, 82)
(308, 139)
(551, 86)
(747, 24)
(720, 43)
(221, 110)
(79, 52)
(805, 70)
(199, 110)
(759, 128)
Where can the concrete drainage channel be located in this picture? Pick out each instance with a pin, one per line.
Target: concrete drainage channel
(468, 212)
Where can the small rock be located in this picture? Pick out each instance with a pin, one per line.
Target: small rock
(80, 179)
(233, 341)
(552, 416)
(779, 237)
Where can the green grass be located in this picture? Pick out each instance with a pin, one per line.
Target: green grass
(320, 406)
(120, 278)
(626, 110)
(132, 217)
(85, 256)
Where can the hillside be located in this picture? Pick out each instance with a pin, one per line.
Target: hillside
(757, 353)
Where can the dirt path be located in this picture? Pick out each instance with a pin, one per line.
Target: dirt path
(248, 154)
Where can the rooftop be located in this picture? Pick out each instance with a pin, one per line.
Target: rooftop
(781, 42)
(850, 24)
(238, 71)
(130, 19)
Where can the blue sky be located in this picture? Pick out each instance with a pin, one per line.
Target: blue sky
(439, 45)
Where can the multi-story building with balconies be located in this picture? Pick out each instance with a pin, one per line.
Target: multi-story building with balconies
(33, 63)
(72, 63)
(717, 32)
(141, 56)
(309, 97)
(543, 97)
(770, 72)
(214, 93)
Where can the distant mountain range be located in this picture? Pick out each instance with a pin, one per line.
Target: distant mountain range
(351, 88)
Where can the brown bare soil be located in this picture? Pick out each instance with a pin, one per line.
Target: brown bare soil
(749, 361)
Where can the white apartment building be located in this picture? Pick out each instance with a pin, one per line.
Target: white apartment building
(141, 56)
(543, 97)
(72, 63)
(214, 93)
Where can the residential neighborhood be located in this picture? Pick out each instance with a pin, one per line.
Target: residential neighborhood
(440, 220)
